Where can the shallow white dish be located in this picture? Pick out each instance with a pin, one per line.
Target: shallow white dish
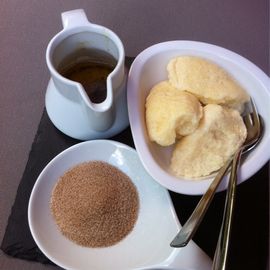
(149, 68)
(146, 247)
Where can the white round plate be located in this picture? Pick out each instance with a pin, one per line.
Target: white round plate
(149, 68)
(147, 246)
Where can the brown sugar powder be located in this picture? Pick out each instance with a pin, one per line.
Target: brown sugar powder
(95, 204)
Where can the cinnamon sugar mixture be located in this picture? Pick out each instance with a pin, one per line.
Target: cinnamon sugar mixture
(94, 204)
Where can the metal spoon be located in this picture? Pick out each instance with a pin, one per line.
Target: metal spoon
(254, 132)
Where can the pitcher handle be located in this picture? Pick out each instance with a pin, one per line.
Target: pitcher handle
(74, 18)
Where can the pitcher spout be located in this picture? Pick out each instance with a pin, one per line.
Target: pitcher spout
(100, 115)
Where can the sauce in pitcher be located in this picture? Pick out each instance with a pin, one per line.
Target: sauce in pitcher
(89, 67)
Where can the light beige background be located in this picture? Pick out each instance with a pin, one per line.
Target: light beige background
(27, 26)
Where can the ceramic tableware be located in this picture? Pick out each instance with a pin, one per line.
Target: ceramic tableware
(68, 106)
(148, 244)
(149, 68)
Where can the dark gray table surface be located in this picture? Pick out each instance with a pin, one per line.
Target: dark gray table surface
(27, 26)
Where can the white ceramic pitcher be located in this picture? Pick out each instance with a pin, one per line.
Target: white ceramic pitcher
(67, 104)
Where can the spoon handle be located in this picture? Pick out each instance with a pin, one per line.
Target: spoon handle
(191, 225)
(221, 254)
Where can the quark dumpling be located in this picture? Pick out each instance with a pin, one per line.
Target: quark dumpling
(171, 113)
(220, 133)
(206, 80)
